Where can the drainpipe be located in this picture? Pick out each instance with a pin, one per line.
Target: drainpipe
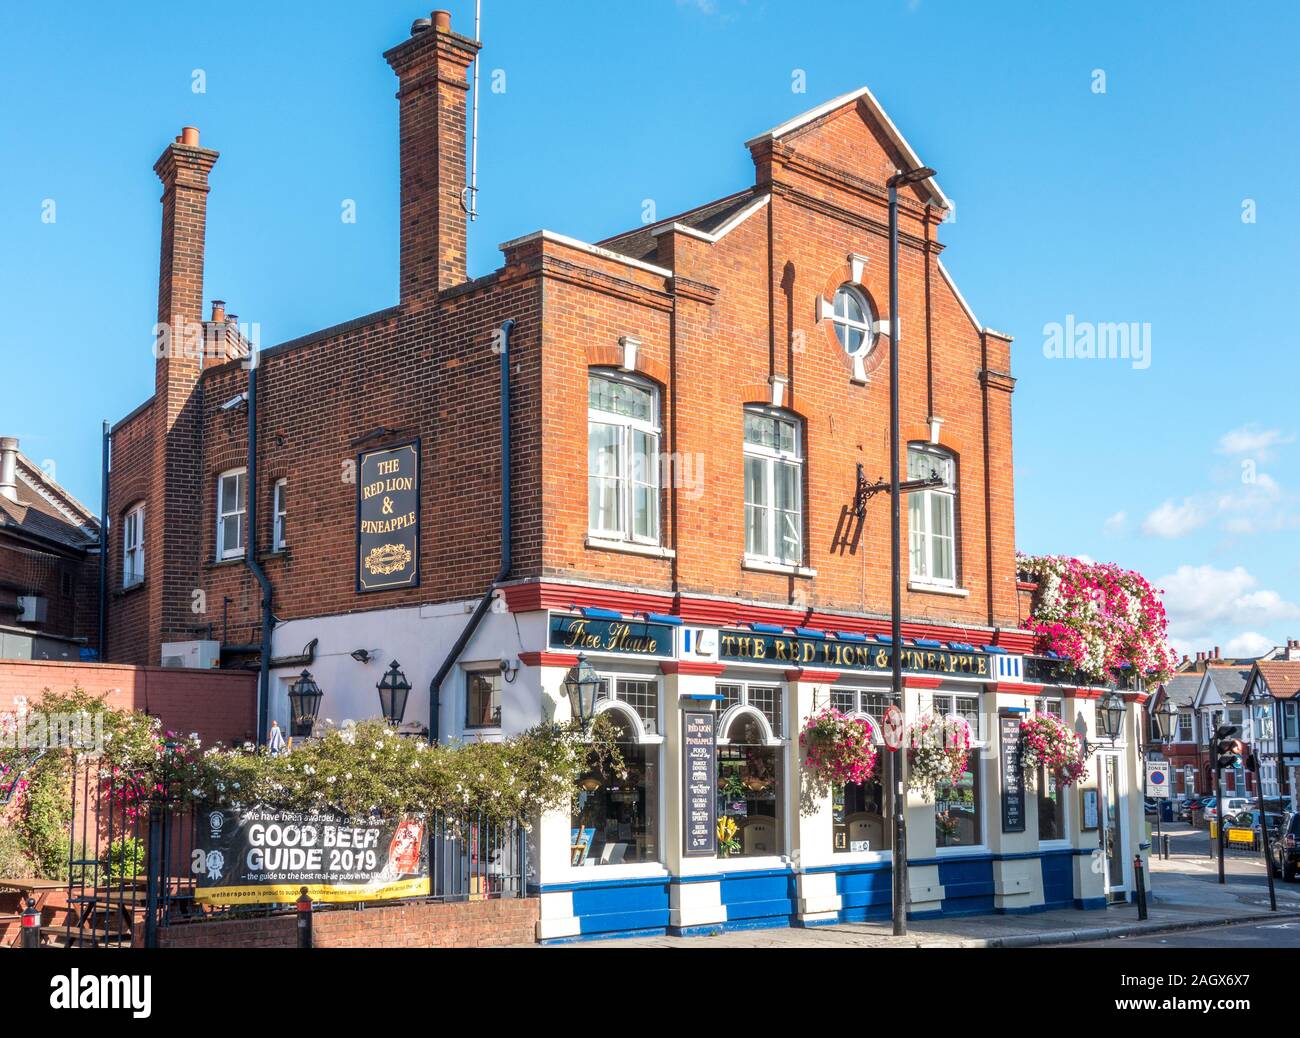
(250, 559)
(435, 686)
(102, 644)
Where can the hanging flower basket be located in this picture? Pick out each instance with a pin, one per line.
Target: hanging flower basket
(937, 750)
(840, 749)
(1099, 617)
(1048, 742)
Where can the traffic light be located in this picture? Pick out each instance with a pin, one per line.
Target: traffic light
(1225, 748)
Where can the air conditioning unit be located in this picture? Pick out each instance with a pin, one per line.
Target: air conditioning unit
(197, 655)
(31, 609)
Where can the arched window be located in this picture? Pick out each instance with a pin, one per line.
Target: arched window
(232, 513)
(749, 786)
(852, 317)
(133, 545)
(932, 517)
(773, 486)
(616, 813)
(622, 458)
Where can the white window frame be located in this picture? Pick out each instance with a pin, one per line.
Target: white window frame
(771, 457)
(626, 478)
(613, 701)
(928, 501)
(240, 510)
(279, 514)
(133, 546)
(844, 323)
(492, 671)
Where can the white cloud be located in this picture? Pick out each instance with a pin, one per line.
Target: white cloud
(1117, 523)
(1203, 603)
(1251, 439)
(1171, 520)
(1248, 643)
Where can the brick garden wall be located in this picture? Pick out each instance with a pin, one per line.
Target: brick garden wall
(470, 924)
(219, 705)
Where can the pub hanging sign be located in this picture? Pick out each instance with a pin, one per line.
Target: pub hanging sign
(388, 518)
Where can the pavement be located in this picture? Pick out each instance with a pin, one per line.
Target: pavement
(1184, 896)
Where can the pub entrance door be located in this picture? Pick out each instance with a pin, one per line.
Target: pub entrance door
(1113, 836)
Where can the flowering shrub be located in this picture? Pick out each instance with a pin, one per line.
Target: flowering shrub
(1099, 617)
(937, 750)
(839, 748)
(356, 769)
(1048, 742)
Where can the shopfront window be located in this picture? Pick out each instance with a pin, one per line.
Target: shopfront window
(957, 807)
(860, 819)
(1051, 806)
(639, 694)
(766, 699)
(749, 787)
(616, 817)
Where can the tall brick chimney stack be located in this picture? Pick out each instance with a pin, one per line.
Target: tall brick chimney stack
(431, 70)
(176, 492)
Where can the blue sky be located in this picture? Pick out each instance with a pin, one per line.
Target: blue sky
(1110, 162)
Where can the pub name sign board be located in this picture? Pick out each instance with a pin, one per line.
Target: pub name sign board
(750, 647)
(625, 637)
(388, 518)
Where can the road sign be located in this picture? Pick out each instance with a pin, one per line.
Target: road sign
(891, 727)
(1157, 779)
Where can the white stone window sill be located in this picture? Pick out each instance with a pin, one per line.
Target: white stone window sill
(653, 551)
(961, 852)
(767, 566)
(938, 589)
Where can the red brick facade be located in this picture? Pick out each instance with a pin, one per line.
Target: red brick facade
(720, 319)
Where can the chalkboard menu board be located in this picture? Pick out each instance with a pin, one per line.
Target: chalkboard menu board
(699, 763)
(1013, 780)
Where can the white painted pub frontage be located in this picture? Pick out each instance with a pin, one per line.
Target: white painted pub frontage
(640, 854)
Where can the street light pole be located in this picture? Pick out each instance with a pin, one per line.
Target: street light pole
(895, 551)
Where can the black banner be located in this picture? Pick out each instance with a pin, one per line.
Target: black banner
(748, 647)
(264, 856)
(630, 637)
(388, 518)
(1013, 779)
(700, 771)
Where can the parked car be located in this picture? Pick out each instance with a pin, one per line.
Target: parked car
(1232, 806)
(1188, 809)
(1248, 820)
(1284, 852)
(1151, 805)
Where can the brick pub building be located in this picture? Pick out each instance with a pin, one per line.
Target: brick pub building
(686, 411)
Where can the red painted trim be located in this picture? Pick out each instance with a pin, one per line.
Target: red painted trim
(920, 681)
(800, 674)
(1026, 585)
(1013, 688)
(1136, 697)
(1085, 693)
(695, 667)
(538, 595)
(548, 659)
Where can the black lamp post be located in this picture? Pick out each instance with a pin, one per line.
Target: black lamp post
(1165, 719)
(304, 704)
(1110, 715)
(393, 690)
(582, 683)
(898, 180)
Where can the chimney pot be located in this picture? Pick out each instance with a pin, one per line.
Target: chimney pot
(9, 467)
(218, 311)
(189, 136)
(420, 25)
(442, 21)
(1216, 652)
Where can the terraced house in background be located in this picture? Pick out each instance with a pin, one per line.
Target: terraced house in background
(653, 451)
